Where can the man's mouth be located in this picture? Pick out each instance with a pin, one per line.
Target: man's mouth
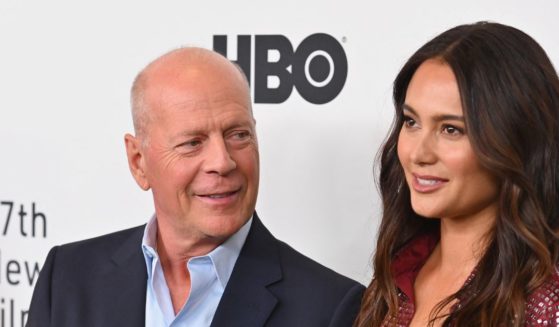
(220, 195)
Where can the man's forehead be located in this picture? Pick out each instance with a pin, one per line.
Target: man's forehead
(176, 96)
(175, 99)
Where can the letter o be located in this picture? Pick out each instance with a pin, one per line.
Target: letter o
(311, 48)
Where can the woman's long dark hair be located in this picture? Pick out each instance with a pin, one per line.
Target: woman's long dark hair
(510, 97)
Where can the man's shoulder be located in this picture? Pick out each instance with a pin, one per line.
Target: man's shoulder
(107, 240)
(301, 266)
(309, 293)
(92, 282)
(102, 246)
(297, 267)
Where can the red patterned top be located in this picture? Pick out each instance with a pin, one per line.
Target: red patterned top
(542, 307)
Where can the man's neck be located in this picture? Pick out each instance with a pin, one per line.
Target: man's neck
(175, 249)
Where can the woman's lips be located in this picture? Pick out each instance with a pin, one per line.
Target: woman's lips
(427, 184)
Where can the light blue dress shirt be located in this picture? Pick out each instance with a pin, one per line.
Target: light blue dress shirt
(209, 275)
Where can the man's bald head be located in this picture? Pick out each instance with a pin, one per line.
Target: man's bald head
(189, 60)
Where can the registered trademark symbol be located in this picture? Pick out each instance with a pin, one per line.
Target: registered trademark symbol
(344, 39)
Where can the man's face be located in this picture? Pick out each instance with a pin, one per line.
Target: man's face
(200, 157)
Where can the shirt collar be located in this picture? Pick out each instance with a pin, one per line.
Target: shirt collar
(223, 257)
(149, 240)
(409, 260)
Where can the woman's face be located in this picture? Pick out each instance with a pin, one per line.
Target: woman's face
(443, 173)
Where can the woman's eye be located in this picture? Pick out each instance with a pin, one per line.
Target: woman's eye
(452, 130)
(409, 122)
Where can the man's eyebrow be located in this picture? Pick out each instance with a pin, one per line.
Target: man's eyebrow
(239, 124)
(437, 118)
(186, 134)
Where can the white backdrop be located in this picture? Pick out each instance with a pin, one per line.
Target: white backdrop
(65, 72)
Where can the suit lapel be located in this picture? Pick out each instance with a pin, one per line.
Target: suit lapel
(128, 280)
(246, 300)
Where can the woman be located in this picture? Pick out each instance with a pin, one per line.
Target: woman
(470, 186)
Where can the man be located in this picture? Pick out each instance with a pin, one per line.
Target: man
(204, 258)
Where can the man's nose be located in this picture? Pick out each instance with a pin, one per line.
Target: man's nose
(424, 149)
(218, 158)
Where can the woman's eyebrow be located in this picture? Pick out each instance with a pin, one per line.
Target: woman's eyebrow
(438, 117)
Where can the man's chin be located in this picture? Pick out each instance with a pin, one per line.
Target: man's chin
(223, 226)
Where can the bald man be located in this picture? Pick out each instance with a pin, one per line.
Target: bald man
(204, 258)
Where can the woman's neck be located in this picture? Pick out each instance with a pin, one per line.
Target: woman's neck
(464, 240)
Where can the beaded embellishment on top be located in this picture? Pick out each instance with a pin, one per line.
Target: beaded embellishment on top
(542, 307)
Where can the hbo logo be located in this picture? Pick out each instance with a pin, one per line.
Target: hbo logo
(317, 68)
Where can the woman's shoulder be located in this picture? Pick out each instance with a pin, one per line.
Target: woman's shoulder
(542, 306)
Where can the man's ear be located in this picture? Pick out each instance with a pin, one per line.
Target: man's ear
(136, 160)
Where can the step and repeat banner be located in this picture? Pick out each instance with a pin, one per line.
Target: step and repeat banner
(320, 74)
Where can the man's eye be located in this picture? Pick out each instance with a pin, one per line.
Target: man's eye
(191, 143)
(240, 135)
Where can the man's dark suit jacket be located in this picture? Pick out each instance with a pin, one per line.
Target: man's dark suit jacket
(102, 282)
